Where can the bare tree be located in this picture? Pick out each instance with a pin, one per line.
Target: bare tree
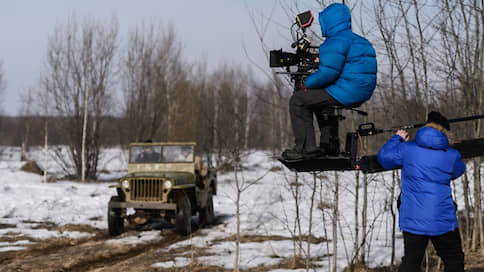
(80, 56)
(27, 112)
(241, 185)
(335, 221)
(463, 43)
(151, 70)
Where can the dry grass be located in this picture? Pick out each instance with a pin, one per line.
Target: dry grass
(32, 167)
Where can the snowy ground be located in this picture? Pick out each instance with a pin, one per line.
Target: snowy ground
(268, 212)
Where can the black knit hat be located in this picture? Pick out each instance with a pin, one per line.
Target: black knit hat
(437, 118)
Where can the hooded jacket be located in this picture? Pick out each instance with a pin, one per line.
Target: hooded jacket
(428, 165)
(347, 68)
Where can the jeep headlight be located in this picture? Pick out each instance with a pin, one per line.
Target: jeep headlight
(125, 184)
(167, 184)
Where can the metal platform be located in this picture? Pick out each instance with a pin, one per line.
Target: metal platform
(369, 164)
(318, 164)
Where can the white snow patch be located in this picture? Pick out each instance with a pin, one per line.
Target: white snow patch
(177, 262)
(142, 237)
(13, 248)
(288, 270)
(43, 233)
(20, 242)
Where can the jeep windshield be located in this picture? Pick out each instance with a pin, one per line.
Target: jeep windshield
(161, 154)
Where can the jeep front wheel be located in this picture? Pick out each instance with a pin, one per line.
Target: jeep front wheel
(115, 221)
(183, 224)
(206, 214)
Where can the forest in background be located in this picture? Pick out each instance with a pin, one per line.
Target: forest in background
(430, 53)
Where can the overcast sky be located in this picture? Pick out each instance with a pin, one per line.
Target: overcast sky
(216, 30)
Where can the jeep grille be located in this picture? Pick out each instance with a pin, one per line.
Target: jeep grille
(146, 189)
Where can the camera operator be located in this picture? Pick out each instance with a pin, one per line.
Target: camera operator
(346, 76)
(427, 210)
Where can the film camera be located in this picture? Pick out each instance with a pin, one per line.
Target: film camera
(306, 57)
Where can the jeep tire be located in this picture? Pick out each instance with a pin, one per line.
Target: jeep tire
(206, 214)
(183, 222)
(115, 221)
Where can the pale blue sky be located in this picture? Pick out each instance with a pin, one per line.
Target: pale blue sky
(214, 29)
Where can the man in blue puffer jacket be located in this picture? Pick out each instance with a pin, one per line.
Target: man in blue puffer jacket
(346, 76)
(427, 210)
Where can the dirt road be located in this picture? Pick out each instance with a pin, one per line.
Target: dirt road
(132, 251)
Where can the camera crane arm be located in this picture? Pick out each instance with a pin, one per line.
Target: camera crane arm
(369, 129)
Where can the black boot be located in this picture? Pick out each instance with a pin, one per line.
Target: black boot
(312, 154)
(328, 127)
(292, 154)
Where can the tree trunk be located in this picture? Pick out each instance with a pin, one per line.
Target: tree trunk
(364, 218)
(357, 227)
(335, 221)
(84, 134)
(236, 121)
(298, 217)
(46, 148)
(394, 217)
(25, 141)
(247, 120)
(308, 256)
(467, 210)
(477, 237)
(237, 235)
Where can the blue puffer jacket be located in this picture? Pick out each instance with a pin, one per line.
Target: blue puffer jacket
(428, 165)
(347, 68)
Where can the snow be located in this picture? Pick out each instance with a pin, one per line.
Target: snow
(177, 262)
(11, 248)
(268, 209)
(22, 230)
(143, 237)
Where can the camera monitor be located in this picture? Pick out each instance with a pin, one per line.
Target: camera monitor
(305, 19)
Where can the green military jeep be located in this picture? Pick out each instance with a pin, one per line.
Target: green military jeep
(164, 180)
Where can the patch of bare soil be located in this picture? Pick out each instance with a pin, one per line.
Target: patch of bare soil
(77, 255)
(263, 238)
(144, 262)
(474, 261)
(96, 254)
(32, 167)
(6, 226)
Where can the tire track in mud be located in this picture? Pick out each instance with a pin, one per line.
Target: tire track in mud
(81, 255)
(96, 253)
(142, 259)
(138, 259)
(41, 247)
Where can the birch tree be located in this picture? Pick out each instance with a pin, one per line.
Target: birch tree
(463, 43)
(80, 55)
(151, 69)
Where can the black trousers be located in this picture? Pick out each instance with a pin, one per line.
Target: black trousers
(448, 247)
(302, 106)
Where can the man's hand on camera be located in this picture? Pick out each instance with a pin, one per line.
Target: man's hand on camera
(403, 134)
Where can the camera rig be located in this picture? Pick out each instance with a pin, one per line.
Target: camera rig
(306, 59)
(352, 160)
